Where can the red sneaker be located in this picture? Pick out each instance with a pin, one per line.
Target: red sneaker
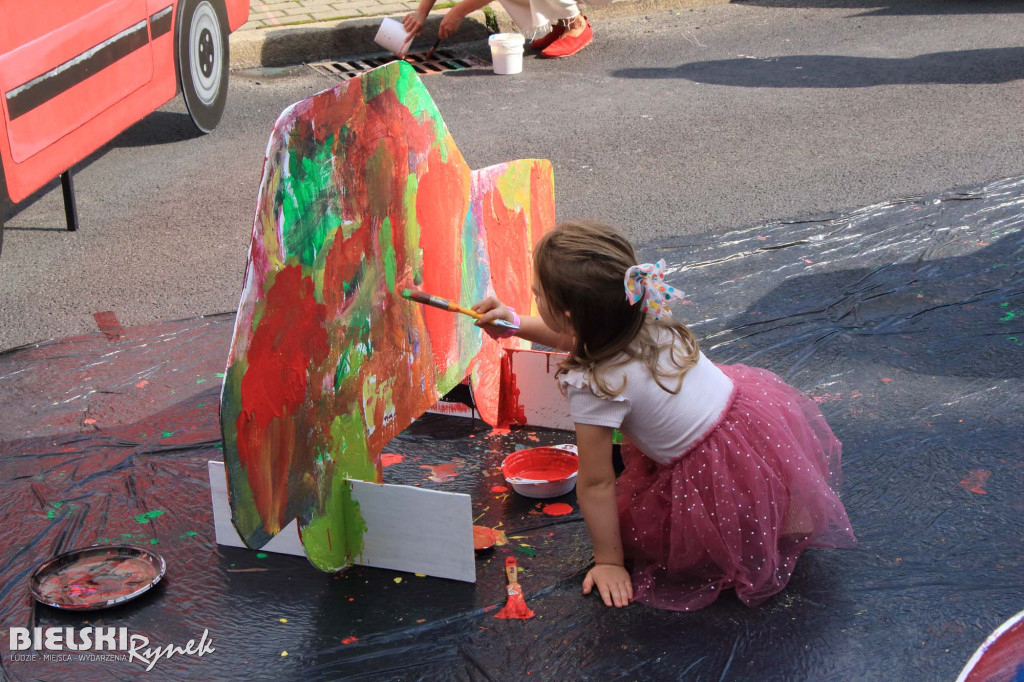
(556, 32)
(567, 44)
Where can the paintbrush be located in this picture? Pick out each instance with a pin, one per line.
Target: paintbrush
(445, 304)
(430, 52)
(516, 606)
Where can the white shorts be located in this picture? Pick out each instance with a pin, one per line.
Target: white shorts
(532, 15)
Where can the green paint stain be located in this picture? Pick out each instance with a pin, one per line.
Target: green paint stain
(167, 434)
(335, 534)
(188, 534)
(528, 551)
(616, 436)
(200, 381)
(409, 90)
(54, 508)
(309, 200)
(1009, 316)
(348, 446)
(387, 250)
(261, 555)
(1004, 305)
(148, 516)
(126, 535)
(243, 505)
(349, 362)
(413, 252)
(200, 405)
(514, 184)
(320, 265)
(219, 375)
(154, 541)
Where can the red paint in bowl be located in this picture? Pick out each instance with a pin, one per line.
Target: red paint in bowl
(541, 472)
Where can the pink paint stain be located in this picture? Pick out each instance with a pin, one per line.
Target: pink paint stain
(557, 509)
(439, 473)
(975, 481)
(389, 458)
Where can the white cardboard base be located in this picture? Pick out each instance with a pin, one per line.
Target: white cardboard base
(412, 529)
(407, 529)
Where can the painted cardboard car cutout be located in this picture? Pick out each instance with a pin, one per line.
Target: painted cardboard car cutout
(74, 76)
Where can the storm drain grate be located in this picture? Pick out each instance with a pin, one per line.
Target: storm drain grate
(441, 60)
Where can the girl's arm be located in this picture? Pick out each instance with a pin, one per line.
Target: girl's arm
(413, 21)
(530, 328)
(450, 22)
(595, 491)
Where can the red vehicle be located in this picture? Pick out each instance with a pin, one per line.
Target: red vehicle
(75, 73)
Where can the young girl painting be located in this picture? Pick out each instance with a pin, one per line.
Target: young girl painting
(730, 474)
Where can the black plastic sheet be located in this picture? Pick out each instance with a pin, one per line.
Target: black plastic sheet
(904, 320)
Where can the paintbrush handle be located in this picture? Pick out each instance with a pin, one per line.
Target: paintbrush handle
(433, 47)
(511, 571)
(445, 304)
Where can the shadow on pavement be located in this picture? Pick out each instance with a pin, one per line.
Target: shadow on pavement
(964, 67)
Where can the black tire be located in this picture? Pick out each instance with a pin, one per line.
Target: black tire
(203, 60)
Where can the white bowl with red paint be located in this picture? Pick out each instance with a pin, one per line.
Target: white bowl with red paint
(542, 473)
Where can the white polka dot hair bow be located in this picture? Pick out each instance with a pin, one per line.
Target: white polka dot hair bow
(647, 282)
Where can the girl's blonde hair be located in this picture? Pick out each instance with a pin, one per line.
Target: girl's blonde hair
(581, 267)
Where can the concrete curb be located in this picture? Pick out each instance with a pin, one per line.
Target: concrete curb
(352, 37)
(336, 39)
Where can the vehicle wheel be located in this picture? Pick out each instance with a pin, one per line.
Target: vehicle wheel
(203, 60)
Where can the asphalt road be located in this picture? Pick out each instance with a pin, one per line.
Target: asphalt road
(690, 121)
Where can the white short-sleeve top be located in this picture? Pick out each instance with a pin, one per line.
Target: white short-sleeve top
(661, 424)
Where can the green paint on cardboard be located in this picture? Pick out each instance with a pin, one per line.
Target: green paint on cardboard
(349, 447)
(309, 200)
(387, 250)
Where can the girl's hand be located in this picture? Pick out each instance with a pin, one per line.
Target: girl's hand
(413, 22)
(450, 23)
(492, 310)
(612, 582)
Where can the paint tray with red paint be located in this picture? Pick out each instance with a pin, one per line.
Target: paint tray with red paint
(96, 577)
(542, 473)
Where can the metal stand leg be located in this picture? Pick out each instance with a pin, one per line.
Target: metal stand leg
(70, 207)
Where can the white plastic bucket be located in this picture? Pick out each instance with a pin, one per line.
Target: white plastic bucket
(507, 52)
(392, 36)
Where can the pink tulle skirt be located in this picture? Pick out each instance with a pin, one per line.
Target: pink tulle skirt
(738, 507)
